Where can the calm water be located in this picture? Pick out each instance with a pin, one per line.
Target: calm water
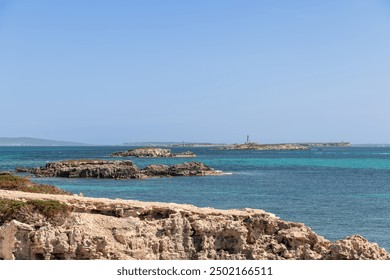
(335, 191)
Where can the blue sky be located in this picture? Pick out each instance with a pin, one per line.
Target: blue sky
(108, 72)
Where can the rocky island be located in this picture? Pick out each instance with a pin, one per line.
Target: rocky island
(151, 153)
(281, 147)
(37, 225)
(264, 147)
(115, 169)
(327, 144)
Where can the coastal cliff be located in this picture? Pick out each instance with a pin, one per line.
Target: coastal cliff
(98, 228)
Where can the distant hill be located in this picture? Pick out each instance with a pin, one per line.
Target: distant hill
(27, 141)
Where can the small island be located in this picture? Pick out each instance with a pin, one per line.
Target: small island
(326, 144)
(116, 169)
(151, 153)
(283, 147)
(264, 147)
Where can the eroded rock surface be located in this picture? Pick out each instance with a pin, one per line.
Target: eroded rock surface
(86, 169)
(152, 153)
(123, 229)
(115, 169)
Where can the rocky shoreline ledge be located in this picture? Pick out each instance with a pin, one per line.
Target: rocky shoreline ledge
(98, 228)
(151, 153)
(117, 169)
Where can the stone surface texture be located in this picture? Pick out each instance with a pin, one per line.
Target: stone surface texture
(151, 153)
(99, 228)
(115, 169)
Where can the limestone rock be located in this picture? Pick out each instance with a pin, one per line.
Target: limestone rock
(86, 169)
(123, 229)
(355, 247)
(151, 153)
(190, 169)
(116, 169)
(154, 170)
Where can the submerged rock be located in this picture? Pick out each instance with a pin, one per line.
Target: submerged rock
(151, 152)
(115, 169)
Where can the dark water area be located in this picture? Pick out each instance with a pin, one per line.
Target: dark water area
(335, 191)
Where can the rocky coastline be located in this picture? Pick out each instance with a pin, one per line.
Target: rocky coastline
(264, 147)
(327, 144)
(280, 147)
(98, 228)
(151, 153)
(117, 169)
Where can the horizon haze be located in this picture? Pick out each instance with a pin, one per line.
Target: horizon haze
(29, 141)
(195, 71)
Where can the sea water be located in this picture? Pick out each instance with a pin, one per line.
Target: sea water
(335, 191)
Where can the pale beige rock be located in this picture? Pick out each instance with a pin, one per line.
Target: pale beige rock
(122, 229)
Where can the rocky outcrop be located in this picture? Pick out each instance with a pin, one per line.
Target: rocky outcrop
(185, 154)
(182, 169)
(151, 153)
(264, 147)
(116, 169)
(122, 229)
(86, 169)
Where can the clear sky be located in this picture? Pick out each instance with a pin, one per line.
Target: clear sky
(108, 72)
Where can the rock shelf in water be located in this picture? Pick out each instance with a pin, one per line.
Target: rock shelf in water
(151, 153)
(115, 169)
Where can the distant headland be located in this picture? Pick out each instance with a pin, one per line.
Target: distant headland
(29, 141)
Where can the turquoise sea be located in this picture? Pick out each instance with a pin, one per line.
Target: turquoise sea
(335, 191)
